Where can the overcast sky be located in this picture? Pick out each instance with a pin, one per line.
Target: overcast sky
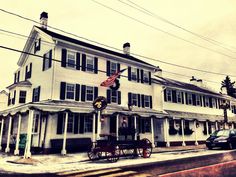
(210, 18)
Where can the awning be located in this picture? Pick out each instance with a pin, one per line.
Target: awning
(192, 116)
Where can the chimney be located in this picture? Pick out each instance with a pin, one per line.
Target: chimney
(223, 90)
(44, 20)
(193, 80)
(126, 48)
(158, 71)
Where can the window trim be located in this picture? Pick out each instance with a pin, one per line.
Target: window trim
(145, 79)
(179, 93)
(169, 95)
(90, 58)
(132, 74)
(116, 96)
(190, 97)
(136, 98)
(20, 97)
(67, 59)
(86, 93)
(147, 100)
(74, 86)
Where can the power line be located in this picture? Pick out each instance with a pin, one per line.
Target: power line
(158, 29)
(149, 58)
(148, 12)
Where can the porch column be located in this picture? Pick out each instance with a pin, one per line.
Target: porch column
(94, 127)
(99, 125)
(152, 130)
(232, 125)
(195, 130)
(29, 134)
(207, 128)
(166, 132)
(117, 127)
(216, 124)
(9, 135)
(1, 132)
(16, 152)
(182, 127)
(63, 151)
(135, 127)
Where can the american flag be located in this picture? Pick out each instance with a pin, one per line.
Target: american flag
(111, 80)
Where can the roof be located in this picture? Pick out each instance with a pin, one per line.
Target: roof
(75, 41)
(21, 83)
(3, 92)
(183, 85)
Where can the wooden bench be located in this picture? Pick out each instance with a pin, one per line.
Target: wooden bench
(72, 144)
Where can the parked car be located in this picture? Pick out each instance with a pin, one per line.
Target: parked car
(222, 138)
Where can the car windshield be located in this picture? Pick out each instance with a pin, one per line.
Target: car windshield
(221, 133)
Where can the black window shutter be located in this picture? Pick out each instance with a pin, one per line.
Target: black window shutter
(118, 68)
(95, 93)
(129, 98)
(77, 92)
(44, 58)
(39, 46)
(63, 91)
(119, 97)
(113, 124)
(210, 102)
(14, 97)
(138, 74)
(30, 71)
(150, 78)
(35, 47)
(15, 77)
(63, 57)
(39, 90)
(182, 93)
(142, 99)
(26, 70)
(151, 102)
(194, 99)
(108, 68)
(59, 122)
(9, 99)
(78, 61)
(129, 122)
(165, 96)
(204, 103)
(108, 96)
(186, 98)
(81, 123)
(129, 73)
(50, 59)
(141, 75)
(174, 96)
(33, 95)
(76, 123)
(83, 62)
(18, 76)
(139, 100)
(83, 92)
(95, 65)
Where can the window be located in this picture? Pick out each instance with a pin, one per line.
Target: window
(89, 93)
(145, 76)
(70, 123)
(134, 74)
(71, 56)
(89, 63)
(36, 94)
(47, 59)
(169, 95)
(37, 44)
(146, 101)
(70, 91)
(88, 123)
(190, 98)
(147, 125)
(213, 102)
(179, 96)
(134, 99)
(207, 102)
(28, 70)
(186, 124)
(35, 123)
(114, 96)
(17, 77)
(198, 100)
(113, 68)
(22, 96)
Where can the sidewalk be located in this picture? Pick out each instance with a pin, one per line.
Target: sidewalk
(54, 163)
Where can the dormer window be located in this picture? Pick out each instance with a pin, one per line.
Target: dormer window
(37, 45)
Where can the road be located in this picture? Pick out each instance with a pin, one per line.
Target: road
(169, 164)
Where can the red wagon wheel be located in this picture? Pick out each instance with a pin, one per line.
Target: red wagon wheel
(145, 149)
(113, 155)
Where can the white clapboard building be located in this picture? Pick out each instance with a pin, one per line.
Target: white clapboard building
(49, 105)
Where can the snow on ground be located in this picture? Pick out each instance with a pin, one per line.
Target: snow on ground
(57, 163)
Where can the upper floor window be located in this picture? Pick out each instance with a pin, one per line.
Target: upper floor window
(179, 96)
(213, 102)
(28, 71)
(113, 68)
(134, 99)
(114, 96)
(17, 77)
(198, 100)
(71, 59)
(47, 60)
(89, 93)
(169, 95)
(190, 98)
(37, 45)
(134, 74)
(89, 63)
(22, 97)
(146, 101)
(207, 104)
(70, 91)
(36, 94)
(145, 76)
